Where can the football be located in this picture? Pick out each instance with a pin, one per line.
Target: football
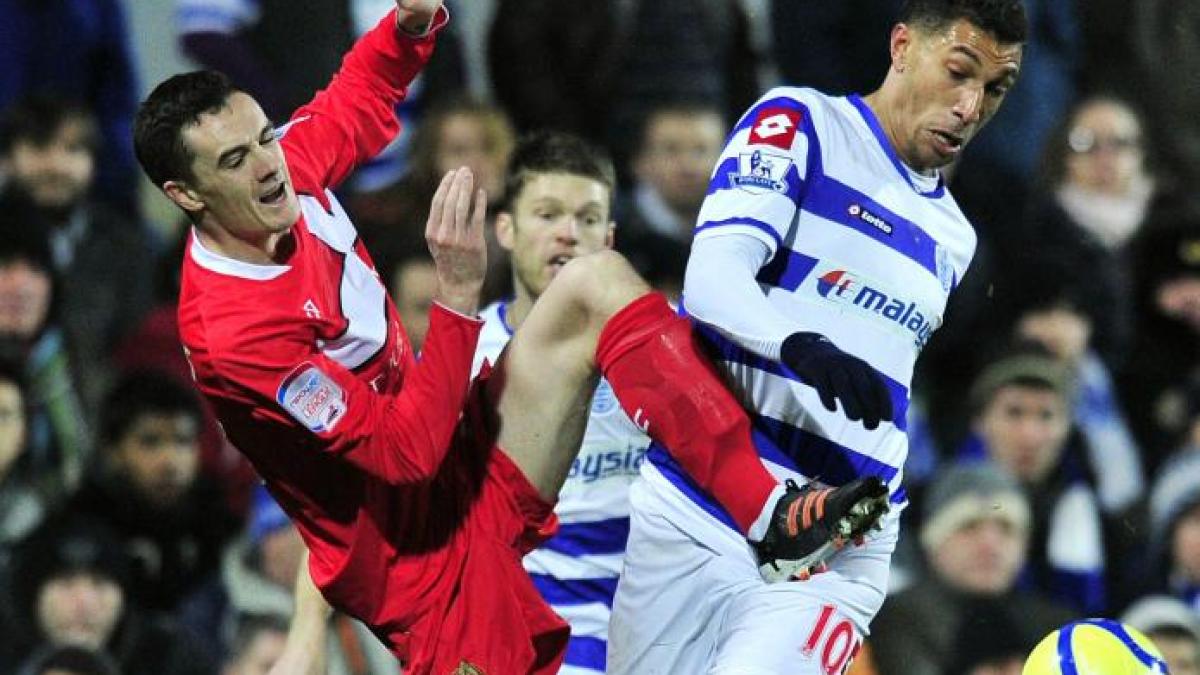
(1095, 647)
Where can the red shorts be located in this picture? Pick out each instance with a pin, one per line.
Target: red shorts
(491, 620)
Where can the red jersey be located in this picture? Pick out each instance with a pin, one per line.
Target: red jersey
(314, 380)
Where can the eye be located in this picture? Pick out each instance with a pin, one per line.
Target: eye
(997, 90)
(956, 75)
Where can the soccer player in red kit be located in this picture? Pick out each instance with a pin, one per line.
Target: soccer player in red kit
(417, 490)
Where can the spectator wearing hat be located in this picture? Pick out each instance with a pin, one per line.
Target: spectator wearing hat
(1174, 535)
(58, 437)
(1166, 348)
(975, 535)
(1172, 627)
(1022, 421)
(71, 586)
(258, 576)
(170, 519)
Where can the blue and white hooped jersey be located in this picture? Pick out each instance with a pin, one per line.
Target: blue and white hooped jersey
(864, 251)
(576, 571)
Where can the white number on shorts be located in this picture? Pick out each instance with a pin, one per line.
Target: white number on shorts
(841, 642)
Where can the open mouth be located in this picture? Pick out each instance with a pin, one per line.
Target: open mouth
(950, 141)
(274, 196)
(557, 262)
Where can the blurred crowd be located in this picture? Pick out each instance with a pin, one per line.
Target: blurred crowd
(1054, 469)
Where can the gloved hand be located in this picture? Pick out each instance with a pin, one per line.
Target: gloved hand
(837, 375)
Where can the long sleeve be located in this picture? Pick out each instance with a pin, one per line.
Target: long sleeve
(400, 438)
(354, 118)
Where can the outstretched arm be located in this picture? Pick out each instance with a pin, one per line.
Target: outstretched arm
(354, 118)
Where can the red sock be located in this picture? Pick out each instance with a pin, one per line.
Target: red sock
(650, 358)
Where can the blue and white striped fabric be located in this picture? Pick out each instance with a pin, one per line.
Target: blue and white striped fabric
(215, 16)
(577, 570)
(865, 252)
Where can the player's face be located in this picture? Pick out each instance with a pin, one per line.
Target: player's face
(952, 82)
(555, 218)
(1025, 430)
(1104, 148)
(982, 556)
(240, 179)
(679, 154)
(12, 425)
(161, 455)
(79, 609)
(58, 173)
(1185, 545)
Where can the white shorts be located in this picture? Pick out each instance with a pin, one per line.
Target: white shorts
(691, 601)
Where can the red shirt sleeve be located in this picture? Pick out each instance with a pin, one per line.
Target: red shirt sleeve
(354, 118)
(399, 438)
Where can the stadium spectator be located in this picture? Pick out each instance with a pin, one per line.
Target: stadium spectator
(1164, 43)
(1166, 348)
(457, 132)
(1022, 422)
(257, 647)
(413, 287)
(680, 143)
(975, 534)
(1175, 530)
(49, 149)
(835, 47)
(1172, 627)
(69, 660)
(258, 573)
(169, 518)
(282, 62)
(59, 442)
(72, 589)
(595, 69)
(78, 48)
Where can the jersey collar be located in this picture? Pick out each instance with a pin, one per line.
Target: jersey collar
(872, 121)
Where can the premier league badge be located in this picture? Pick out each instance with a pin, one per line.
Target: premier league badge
(760, 172)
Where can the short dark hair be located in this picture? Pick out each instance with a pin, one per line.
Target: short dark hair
(38, 117)
(175, 103)
(1004, 19)
(144, 393)
(682, 107)
(556, 152)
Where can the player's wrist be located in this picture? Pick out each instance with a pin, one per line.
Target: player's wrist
(463, 299)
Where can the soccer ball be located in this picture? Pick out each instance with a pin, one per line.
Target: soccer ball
(1095, 647)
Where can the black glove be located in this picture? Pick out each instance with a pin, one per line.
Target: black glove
(838, 375)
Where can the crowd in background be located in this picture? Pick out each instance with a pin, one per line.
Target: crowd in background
(1064, 386)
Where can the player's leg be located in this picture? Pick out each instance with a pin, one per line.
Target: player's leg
(598, 315)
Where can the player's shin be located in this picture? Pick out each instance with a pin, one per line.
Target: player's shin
(668, 386)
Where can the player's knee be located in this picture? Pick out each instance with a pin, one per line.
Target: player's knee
(602, 281)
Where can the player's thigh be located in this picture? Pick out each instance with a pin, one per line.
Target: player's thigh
(798, 628)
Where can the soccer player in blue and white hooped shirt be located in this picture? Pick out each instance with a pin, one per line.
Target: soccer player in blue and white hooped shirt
(558, 204)
(823, 259)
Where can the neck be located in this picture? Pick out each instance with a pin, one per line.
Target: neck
(886, 110)
(520, 306)
(268, 251)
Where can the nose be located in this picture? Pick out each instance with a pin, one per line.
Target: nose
(568, 229)
(265, 165)
(969, 105)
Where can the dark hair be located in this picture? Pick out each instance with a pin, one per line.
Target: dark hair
(144, 393)
(70, 658)
(1053, 169)
(175, 103)
(67, 544)
(683, 107)
(556, 152)
(38, 117)
(1004, 19)
(249, 627)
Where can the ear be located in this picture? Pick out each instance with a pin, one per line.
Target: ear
(610, 239)
(505, 230)
(899, 46)
(183, 196)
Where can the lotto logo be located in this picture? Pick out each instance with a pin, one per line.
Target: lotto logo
(775, 126)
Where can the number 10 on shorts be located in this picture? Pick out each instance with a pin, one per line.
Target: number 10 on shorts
(835, 643)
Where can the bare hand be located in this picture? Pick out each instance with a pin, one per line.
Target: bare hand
(414, 16)
(454, 233)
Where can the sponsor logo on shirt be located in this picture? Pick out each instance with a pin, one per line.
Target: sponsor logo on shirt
(312, 397)
(760, 172)
(859, 211)
(775, 126)
(602, 464)
(854, 290)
